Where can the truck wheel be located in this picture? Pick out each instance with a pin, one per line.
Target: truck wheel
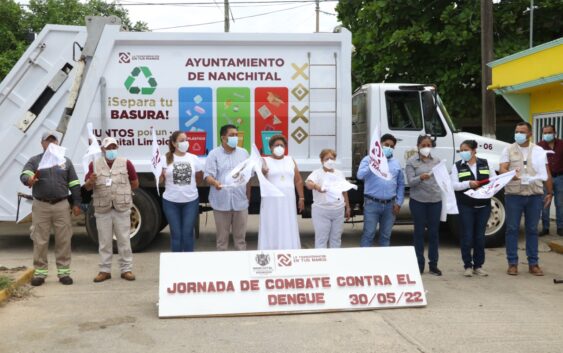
(496, 226)
(145, 221)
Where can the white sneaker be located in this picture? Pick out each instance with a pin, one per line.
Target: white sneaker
(480, 272)
(468, 272)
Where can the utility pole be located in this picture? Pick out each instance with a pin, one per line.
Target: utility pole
(531, 23)
(227, 24)
(317, 11)
(488, 117)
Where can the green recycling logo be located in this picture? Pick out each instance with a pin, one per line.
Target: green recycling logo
(133, 77)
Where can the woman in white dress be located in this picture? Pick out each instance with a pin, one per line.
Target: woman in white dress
(278, 215)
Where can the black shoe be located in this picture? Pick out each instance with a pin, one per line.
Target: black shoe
(435, 271)
(66, 280)
(560, 231)
(37, 281)
(544, 232)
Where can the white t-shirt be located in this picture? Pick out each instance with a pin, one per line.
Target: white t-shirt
(179, 178)
(320, 176)
(539, 159)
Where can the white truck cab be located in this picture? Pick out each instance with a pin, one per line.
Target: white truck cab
(407, 111)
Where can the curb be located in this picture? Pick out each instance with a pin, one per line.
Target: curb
(6, 293)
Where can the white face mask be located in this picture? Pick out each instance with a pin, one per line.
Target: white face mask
(183, 146)
(278, 151)
(425, 151)
(329, 163)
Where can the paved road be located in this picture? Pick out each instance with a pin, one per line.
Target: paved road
(494, 314)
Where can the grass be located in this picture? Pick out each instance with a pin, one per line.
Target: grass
(5, 282)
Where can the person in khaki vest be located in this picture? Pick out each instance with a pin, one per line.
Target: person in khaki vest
(112, 179)
(524, 195)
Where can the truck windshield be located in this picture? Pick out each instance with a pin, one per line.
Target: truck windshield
(446, 115)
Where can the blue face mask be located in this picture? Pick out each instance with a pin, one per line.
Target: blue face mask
(548, 137)
(388, 151)
(232, 141)
(520, 138)
(465, 155)
(111, 154)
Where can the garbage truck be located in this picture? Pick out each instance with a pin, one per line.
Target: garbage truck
(127, 83)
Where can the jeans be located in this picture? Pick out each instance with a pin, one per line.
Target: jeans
(181, 217)
(374, 213)
(426, 215)
(558, 200)
(531, 207)
(473, 223)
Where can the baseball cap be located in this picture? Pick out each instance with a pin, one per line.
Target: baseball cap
(48, 134)
(109, 141)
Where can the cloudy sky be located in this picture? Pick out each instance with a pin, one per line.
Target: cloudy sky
(249, 15)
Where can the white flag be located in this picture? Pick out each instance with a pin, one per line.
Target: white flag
(377, 160)
(449, 204)
(156, 161)
(495, 185)
(335, 188)
(53, 156)
(267, 189)
(93, 152)
(241, 174)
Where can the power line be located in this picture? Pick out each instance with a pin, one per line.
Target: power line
(212, 4)
(238, 18)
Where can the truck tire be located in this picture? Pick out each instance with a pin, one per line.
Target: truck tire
(145, 221)
(496, 226)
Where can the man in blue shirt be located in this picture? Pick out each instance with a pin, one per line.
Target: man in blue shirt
(382, 198)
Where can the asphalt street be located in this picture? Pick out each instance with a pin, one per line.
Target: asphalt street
(498, 313)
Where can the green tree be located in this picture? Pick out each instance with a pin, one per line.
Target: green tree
(438, 41)
(12, 35)
(18, 22)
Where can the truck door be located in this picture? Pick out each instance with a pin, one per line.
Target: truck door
(435, 127)
(404, 121)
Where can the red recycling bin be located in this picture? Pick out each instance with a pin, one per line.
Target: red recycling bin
(197, 140)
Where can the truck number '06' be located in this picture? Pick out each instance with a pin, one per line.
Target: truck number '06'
(487, 146)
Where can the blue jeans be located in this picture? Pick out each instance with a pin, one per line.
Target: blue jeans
(426, 215)
(473, 223)
(181, 217)
(374, 213)
(558, 200)
(531, 207)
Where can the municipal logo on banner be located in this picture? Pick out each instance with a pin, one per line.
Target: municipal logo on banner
(284, 260)
(132, 82)
(261, 264)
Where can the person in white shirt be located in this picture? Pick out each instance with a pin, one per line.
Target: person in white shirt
(180, 200)
(524, 195)
(327, 213)
(471, 173)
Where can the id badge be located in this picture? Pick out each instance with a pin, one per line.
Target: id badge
(525, 180)
(108, 182)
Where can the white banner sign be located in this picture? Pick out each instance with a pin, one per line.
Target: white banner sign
(307, 280)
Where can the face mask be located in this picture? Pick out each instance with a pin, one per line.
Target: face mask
(548, 137)
(279, 151)
(232, 141)
(388, 151)
(183, 146)
(520, 138)
(329, 163)
(425, 151)
(111, 154)
(465, 155)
